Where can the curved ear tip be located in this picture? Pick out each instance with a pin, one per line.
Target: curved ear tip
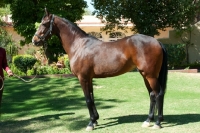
(46, 11)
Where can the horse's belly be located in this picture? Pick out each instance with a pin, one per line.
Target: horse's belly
(112, 69)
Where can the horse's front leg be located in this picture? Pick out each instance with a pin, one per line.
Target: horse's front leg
(87, 87)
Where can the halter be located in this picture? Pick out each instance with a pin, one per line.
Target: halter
(42, 38)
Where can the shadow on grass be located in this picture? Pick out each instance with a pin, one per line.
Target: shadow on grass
(15, 126)
(46, 97)
(20, 97)
(170, 120)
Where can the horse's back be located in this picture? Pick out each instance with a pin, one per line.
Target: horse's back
(140, 40)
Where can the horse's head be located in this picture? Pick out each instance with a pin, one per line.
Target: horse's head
(44, 30)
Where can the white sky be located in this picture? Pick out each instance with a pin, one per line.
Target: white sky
(90, 7)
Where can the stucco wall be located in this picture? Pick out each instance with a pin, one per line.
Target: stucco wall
(105, 35)
(193, 50)
(16, 37)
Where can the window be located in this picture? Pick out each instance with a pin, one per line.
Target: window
(96, 34)
(116, 35)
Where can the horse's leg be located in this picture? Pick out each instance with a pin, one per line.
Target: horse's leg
(88, 92)
(152, 104)
(157, 99)
(96, 115)
(159, 103)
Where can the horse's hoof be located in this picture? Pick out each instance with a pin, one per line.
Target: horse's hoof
(89, 128)
(157, 126)
(146, 124)
(95, 123)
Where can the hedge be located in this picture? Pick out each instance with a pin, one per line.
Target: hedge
(176, 54)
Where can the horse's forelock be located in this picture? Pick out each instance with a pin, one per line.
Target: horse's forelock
(44, 16)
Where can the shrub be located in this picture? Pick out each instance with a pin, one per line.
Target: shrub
(65, 60)
(52, 70)
(176, 54)
(67, 63)
(15, 70)
(24, 62)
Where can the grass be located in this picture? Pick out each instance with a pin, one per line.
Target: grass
(57, 105)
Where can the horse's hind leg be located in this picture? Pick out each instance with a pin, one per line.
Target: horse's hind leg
(159, 103)
(156, 99)
(152, 110)
(152, 101)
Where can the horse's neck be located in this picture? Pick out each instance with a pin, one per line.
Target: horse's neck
(69, 38)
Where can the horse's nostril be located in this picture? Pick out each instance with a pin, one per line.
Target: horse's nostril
(35, 40)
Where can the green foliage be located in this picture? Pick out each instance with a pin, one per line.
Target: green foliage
(54, 49)
(5, 39)
(24, 62)
(176, 55)
(15, 70)
(4, 9)
(52, 70)
(87, 12)
(30, 51)
(147, 16)
(65, 61)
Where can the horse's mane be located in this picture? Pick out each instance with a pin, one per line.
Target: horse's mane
(73, 26)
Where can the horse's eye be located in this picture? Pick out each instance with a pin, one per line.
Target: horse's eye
(45, 24)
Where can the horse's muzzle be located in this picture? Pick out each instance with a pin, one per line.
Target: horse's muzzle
(36, 41)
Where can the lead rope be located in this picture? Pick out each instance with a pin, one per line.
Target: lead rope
(27, 81)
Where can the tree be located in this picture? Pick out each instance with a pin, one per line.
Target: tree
(25, 14)
(148, 16)
(4, 9)
(87, 12)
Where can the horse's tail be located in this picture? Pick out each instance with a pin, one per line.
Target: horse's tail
(162, 79)
(164, 71)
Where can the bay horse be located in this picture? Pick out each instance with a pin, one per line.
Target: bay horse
(92, 58)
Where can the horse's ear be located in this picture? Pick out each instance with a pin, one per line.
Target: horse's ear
(46, 12)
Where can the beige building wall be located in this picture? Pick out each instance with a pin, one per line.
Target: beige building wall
(93, 24)
(105, 36)
(16, 37)
(170, 37)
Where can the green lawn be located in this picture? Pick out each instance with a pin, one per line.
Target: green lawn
(57, 105)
